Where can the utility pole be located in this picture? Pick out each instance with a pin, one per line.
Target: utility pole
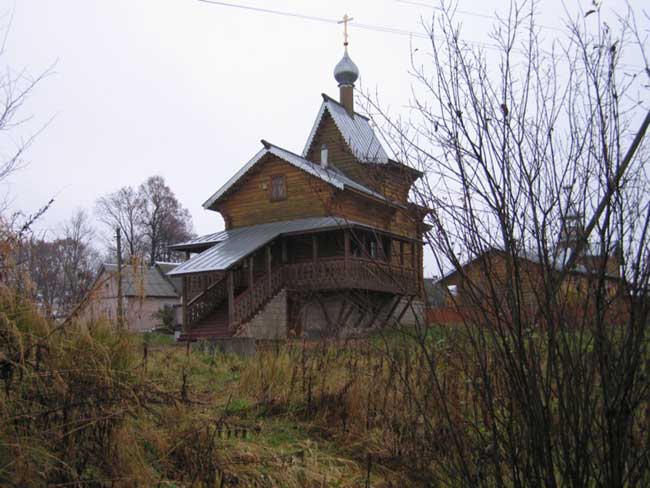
(120, 305)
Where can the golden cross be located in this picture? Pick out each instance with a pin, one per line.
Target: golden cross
(345, 21)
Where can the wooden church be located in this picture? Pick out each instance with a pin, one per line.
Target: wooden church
(323, 243)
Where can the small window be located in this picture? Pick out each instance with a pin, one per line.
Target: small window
(278, 188)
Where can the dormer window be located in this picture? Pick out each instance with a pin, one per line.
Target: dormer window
(278, 188)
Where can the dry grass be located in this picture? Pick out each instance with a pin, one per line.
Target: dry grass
(91, 407)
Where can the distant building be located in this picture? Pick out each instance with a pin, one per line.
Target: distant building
(145, 289)
(484, 280)
(316, 244)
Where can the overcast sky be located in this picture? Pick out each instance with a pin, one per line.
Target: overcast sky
(186, 89)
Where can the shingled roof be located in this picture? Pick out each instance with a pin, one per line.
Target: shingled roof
(144, 280)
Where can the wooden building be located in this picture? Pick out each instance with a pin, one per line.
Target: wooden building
(477, 293)
(315, 244)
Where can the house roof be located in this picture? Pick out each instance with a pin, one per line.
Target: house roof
(356, 131)
(176, 282)
(557, 263)
(201, 242)
(330, 175)
(243, 241)
(144, 280)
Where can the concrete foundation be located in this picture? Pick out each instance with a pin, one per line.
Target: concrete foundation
(270, 323)
(334, 314)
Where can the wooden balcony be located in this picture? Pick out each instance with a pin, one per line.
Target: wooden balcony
(312, 262)
(335, 273)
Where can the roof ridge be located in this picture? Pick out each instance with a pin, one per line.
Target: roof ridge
(328, 168)
(327, 98)
(268, 145)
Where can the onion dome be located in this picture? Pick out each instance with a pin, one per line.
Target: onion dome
(346, 72)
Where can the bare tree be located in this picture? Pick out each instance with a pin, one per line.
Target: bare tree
(16, 86)
(123, 209)
(536, 180)
(150, 218)
(62, 269)
(164, 220)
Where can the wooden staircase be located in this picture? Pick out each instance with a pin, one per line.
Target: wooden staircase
(208, 315)
(214, 325)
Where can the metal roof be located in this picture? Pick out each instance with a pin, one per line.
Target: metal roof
(201, 241)
(356, 131)
(144, 280)
(176, 281)
(330, 175)
(557, 263)
(346, 71)
(244, 241)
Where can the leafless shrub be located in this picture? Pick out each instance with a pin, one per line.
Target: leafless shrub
(536, 180)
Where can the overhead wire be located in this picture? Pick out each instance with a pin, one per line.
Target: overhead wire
(370, 27)
(466, 12)
(377, 28)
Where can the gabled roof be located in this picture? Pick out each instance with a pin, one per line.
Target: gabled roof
(176, 282)
(356, 131)
(243, 241)
(557, 263)
(144, 280)
(201, 242)
(330, 175)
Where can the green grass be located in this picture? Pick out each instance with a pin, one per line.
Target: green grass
(394, 336)
(153, 339)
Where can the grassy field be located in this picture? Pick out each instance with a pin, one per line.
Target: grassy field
(95, 407)
(90, 406)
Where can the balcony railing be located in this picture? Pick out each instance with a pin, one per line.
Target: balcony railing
(323, 274)
(359, 273)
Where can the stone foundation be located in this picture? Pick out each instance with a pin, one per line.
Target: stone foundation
(270, 323)
(331, 315)
(335, 315)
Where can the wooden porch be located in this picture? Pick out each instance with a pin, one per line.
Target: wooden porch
(216, 303)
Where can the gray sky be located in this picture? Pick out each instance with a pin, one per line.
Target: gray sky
(186, 89)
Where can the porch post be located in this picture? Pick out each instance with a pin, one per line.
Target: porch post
(419, 271)
(187, 255)
(184, 300)
(381, 252)
(251, 276)
(231, 297)
(346, 246)
(314, 247)
(413, 252)
(284, 251)
(401, 253)
(268, 265)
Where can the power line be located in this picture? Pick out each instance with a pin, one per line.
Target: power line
(466, 12)
(377, 28)
(370, 27)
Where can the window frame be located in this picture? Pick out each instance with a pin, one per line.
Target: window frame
(272, 196)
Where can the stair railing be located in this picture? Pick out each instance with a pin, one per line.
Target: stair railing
(202, 305)
(249, 302)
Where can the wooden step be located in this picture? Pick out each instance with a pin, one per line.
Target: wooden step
(214, 326)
